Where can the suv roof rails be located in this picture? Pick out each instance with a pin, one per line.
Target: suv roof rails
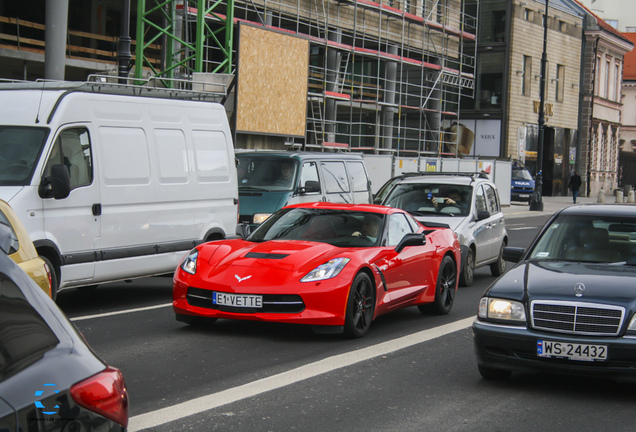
(474, 175)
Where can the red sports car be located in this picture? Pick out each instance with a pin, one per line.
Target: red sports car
(332, 266)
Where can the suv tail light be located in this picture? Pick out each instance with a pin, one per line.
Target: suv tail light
(105, 394)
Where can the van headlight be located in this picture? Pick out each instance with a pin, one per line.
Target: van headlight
(259, 218)
(501, 309)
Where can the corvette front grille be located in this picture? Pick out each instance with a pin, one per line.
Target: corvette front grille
(577, 318)
(272, 303)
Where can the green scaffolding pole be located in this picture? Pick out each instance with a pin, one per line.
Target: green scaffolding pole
(156, 24)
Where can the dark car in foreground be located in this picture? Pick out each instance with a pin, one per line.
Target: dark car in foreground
(50, 380)
(568, 305)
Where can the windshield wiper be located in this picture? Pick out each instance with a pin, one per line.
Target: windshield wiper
(252, 188)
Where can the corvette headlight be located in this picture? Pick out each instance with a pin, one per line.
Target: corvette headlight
(189, 264)
(259, 218)
(501, 309)
(326, 271)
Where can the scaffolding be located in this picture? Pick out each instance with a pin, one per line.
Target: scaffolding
(384, 77)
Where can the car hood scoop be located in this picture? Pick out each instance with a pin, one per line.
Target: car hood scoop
(265, 255)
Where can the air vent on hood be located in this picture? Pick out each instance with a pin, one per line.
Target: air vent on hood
(265, 255)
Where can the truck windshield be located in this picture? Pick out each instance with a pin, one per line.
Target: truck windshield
(20, 149)
(267, 173)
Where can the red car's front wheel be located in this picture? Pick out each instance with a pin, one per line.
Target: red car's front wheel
(360, 307)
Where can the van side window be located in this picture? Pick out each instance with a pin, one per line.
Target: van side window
(357, 176)
(72, 148)
(335, 177)
(309, 177)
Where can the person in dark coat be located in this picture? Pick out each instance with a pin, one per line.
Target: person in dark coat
(575, 185)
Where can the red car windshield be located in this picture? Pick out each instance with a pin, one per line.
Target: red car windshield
(336, 227)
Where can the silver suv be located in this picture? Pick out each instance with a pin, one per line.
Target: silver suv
(467, 202)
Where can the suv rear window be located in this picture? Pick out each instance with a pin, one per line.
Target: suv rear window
(24, 335)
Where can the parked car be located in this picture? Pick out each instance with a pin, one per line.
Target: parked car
(334, 267)
(22, 250)
(474, 213)
(521, 183)
(569, 303)
(50, 380)
(271, 180)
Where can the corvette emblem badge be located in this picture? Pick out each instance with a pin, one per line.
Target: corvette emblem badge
(240, 279)
(578, 289)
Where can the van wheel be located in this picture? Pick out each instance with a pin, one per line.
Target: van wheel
(54, 278)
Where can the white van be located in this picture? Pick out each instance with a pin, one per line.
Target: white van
(114, 186)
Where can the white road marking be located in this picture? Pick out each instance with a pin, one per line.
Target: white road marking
(214, 400)
(106, 314)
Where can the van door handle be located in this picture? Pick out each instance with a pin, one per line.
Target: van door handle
(97, 209)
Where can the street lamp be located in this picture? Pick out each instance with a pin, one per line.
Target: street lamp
(536, 203)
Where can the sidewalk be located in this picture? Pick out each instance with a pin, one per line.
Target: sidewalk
(550, 205)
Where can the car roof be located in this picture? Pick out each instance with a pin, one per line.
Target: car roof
(600, 210)
(372, 208)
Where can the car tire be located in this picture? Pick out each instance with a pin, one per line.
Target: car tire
(493, 374)
(195, 321)
(54, 279)
(499, 267)
(360, 307)
(445, 289)
(468, 269)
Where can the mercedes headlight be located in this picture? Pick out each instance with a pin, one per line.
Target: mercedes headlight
(501, 309)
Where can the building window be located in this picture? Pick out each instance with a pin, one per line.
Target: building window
(560, 81)
(617, 82)
(527, 76)
(528, 15)
(563, 27)
(606, 88)
(597, 77)
(613, 23)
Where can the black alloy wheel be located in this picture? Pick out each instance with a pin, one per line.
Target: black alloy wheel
(445, 289)
(360, 307)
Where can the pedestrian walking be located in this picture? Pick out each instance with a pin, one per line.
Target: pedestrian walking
(575, 185)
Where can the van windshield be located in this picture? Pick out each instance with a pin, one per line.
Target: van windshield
(20, 149)
(266, 173)
(521, 174)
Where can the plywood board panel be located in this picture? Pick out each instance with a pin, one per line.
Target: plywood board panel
(272, 82)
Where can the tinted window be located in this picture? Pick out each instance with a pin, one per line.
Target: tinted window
(24, 335)
(335, 177)
(267, 173)
(357, 176)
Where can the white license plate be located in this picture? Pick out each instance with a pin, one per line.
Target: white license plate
(237, 300)
(572, 351)
(524, 196)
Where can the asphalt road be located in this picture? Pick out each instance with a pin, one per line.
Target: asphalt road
(410, 373)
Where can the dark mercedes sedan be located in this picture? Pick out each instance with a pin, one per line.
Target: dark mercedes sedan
(50, 380)
(568, 305)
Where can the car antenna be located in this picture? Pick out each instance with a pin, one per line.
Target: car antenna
(37, 115)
